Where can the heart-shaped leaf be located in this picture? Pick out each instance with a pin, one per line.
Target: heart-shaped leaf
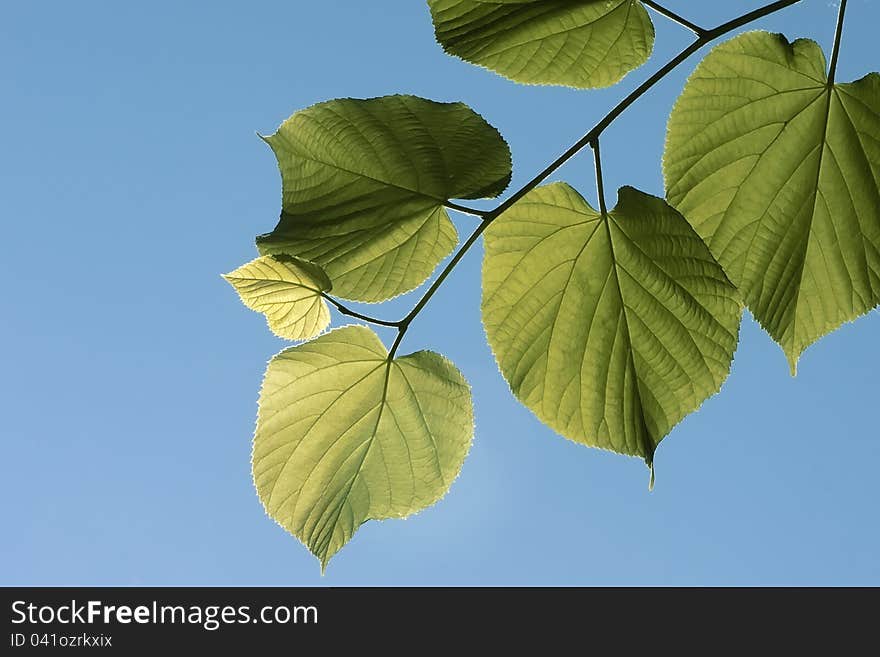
(345, 435)
(583, 44)
(779, 171)
(365, 182)
(610, 327)
(287, 291)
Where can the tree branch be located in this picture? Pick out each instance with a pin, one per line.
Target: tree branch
(591, 137)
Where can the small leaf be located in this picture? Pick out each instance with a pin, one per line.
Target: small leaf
(585, 44)
(287, 291)
(610, 328)
(365, 181)
(345, 435)
(780, 173)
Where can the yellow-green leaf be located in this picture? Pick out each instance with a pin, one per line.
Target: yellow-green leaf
(584, 44)
(287, 291)
(610, 327)
(365, 182)
(345, 435)
(779, 171)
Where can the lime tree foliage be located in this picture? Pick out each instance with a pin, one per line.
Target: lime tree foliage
(610, 325)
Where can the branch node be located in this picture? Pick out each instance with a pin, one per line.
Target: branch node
(466, 210)
(671, 15)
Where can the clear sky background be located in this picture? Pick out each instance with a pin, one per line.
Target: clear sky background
(131, 178)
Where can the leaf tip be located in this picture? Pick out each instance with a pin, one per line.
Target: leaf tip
(267, 139)
(324, 556)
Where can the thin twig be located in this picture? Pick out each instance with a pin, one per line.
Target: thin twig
(446, 270)
(353, 313)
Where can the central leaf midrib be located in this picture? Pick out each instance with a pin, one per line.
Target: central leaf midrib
(547, 16)
(311, 158)
(648, 449)
(345, 496)
(273, 281)
(815, 199)
(565, 287)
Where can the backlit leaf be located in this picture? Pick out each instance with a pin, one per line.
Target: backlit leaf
(365, 181)
(584, 44)
(779, 172)
(610, 328)
(345, 435)
(287, 291)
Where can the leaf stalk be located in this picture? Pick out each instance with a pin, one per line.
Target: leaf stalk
(466, 210)
(345, 310)
(600, 183)
(838, 37)
(671, 15)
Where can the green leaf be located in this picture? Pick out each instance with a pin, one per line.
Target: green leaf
(287, 291)
(610, 328)
(365, 181)
(778, 171)
(345, 435)
(584, 44)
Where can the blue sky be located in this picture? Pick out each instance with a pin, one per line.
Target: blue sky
(131, 178)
